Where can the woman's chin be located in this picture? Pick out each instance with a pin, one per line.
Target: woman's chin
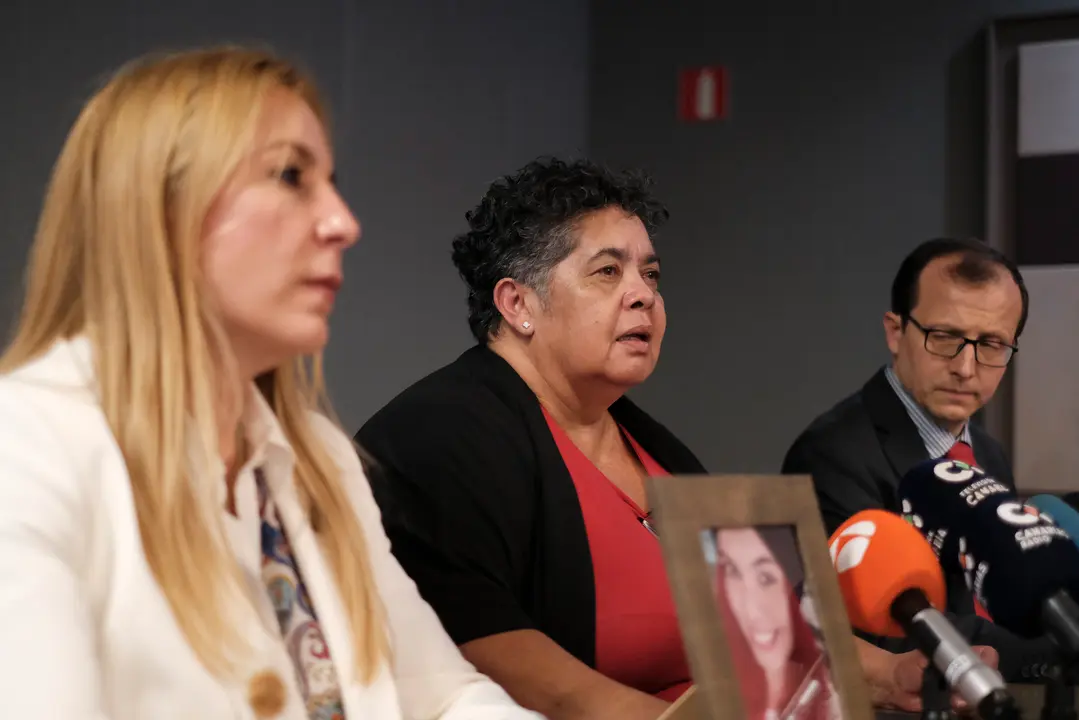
(630, 374)
(308, 338)
(775, 659)
(771, 662)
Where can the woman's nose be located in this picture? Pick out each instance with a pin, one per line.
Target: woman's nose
(338, 224)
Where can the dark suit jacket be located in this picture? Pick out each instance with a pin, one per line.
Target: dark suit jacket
(481, 510)
(857, 452)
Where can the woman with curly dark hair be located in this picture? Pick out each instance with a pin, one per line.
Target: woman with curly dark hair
(513, 487)
(511, 481)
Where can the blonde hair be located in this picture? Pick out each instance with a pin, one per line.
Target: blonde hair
(116, 257)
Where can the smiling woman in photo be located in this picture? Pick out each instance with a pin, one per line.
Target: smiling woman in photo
(781, 668)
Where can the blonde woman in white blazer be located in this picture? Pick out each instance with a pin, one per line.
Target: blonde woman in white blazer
(182, 534)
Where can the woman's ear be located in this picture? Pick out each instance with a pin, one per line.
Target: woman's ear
(511, 298)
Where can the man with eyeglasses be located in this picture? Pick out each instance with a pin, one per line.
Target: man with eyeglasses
(957, 310)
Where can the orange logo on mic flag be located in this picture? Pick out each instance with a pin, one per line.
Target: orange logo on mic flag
(877, 556)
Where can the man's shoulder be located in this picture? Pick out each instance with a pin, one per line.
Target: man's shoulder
(981, 437)
(850, 434)
(844, 422)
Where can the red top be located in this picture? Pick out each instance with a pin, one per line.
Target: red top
(638, 640)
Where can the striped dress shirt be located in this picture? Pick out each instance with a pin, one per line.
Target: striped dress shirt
(936, 439)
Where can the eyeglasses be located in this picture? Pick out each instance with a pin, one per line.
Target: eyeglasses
(944, 343)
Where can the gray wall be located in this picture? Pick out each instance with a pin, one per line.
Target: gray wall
(856, 131)
(431, 101)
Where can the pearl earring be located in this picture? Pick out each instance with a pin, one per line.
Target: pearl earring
(526, 324)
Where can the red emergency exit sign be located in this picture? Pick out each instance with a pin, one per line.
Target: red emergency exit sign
(702, 94)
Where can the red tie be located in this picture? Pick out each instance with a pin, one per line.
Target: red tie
(965, 453)
(962, 452)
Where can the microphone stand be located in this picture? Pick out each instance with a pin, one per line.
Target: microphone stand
(1060, 690)
(936, 696)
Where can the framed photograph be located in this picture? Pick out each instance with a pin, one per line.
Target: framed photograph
(765, 628)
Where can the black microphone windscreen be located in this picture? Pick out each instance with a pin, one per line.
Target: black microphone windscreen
(1012, 556)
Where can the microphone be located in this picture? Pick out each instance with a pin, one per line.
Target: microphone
(893, 585)
(1021, 566)
(1060, 512)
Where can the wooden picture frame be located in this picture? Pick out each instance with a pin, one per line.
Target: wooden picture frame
(684, 507)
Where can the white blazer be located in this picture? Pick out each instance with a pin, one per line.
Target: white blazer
(87, 634)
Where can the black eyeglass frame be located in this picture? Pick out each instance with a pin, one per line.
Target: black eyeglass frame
(926, 331)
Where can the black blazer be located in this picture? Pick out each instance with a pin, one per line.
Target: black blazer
(857, 453)
(480, 508)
